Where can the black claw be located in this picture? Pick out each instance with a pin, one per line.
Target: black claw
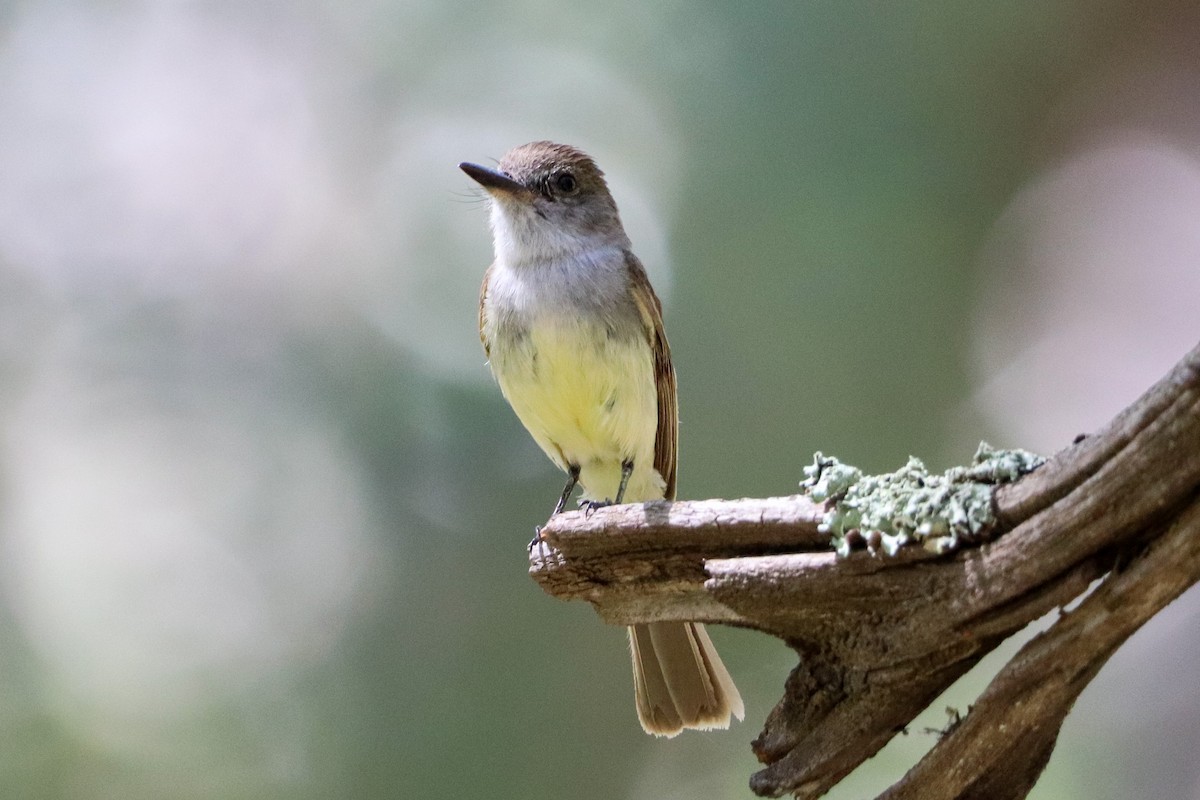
(537, 538)
(590, 506)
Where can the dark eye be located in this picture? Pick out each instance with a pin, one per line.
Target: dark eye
(565, 183)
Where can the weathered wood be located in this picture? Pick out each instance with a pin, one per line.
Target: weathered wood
(657, 573)
(1000, 748)
(879, 638)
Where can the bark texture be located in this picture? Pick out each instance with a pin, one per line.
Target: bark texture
(879, 638)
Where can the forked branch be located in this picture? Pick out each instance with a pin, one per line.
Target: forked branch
(879, 638)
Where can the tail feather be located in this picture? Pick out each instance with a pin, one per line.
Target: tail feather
(720, 676)
(679, 680)
(657, 717)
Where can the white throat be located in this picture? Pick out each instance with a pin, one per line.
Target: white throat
(522, 238)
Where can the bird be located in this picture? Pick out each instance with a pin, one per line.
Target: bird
(573, 333)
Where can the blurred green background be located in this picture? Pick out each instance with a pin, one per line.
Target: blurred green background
(263, 512)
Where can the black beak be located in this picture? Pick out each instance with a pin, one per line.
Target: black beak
(492, 180)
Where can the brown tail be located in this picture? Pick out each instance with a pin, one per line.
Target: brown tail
(678, 679)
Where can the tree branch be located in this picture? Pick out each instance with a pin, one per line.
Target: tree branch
(879, 638)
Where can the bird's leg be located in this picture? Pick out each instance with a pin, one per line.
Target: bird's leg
(626, 471)
(572, 479)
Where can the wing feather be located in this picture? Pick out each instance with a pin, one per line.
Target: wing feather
(483, 291)
(666, 445)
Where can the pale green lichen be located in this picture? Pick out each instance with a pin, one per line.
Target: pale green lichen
(910, 505)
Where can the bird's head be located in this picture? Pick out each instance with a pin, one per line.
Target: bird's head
(548, 200)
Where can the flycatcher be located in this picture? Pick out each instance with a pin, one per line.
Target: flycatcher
(574, 335)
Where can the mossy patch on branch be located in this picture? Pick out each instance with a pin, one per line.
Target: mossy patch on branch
(911, 505)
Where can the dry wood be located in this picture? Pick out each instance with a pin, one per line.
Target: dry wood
(879, 638)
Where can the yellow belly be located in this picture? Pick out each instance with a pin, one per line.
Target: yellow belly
(588, 400)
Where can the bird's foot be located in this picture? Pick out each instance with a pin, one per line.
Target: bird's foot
(537, 538)
(589, 506)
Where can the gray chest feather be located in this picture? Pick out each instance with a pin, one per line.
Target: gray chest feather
(583, 295)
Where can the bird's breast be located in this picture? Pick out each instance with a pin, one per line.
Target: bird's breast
(585, 392)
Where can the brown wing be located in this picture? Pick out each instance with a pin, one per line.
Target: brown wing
(487, 345)
(666, 447)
